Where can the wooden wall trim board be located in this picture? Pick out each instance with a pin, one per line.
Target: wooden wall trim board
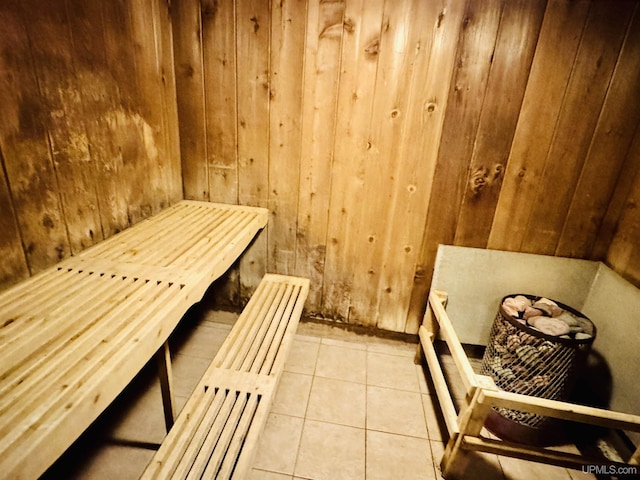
(319, 97)
(188, 28)
(253, 36)
(220, 92)
(358, 67)
(288, 28)
(372, 130)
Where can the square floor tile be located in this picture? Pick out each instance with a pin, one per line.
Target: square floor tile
(395, 411)
(342, 363)
(219, 317)
(302, 357)
(392, 371)
(580, 475)
(140, 417)
(256, 474)
(392, 347)
(331, 452)
(516, 469)
(109, 462)
(436, 427)
(278, 444)
(204, 340)
(437, 451)
(483, 466)
(292, 395)
(354, 343)
(392, 456)
(187, 372)
(337, 401)
(424, 380)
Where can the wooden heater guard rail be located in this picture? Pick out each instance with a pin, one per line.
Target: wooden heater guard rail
(76, 334)
(482, 395)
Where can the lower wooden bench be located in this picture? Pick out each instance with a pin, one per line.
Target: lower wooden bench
(216, 433)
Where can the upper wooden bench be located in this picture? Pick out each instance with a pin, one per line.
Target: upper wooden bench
(216, 433)
(76, 334)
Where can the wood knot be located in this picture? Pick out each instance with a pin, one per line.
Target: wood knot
(256, 26)
(349, 25)
(481, 177)
(373, 48)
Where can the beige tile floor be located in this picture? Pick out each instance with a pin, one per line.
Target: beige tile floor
(348, 407)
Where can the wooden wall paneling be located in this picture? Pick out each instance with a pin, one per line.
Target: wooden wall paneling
(152, 148)
(220, 164)
(13, 267)
(100, 98)
(288, 28)
(126, 121)
(475, 49)
(219, 58)
(399, 53)
(437, 84)
(24, 142)
(586, 90)
(510, 66)
(49, 37)
(358, 66)
(166, 60)
(623, 255)
(617, 124)
(253, 32)
(186, 21)
(617, 203)
(554, 57)
(321, 77)
(430, 85)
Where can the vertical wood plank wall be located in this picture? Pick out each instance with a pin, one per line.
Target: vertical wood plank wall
(89, 138)
(373, 130)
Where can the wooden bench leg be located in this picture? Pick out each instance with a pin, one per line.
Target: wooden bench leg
(472, 418)
(163, 357)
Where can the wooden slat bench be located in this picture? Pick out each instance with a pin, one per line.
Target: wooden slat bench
(216, 433)
(76, 334)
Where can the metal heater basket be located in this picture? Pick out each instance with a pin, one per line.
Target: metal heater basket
(523, 360)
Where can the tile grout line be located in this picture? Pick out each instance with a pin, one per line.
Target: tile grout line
(306, 410)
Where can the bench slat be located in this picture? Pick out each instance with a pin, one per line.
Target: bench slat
(214, 438)
(270, 338)
(222, 467)
(250, 318)
(38, 391)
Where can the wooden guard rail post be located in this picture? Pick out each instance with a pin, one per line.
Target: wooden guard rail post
(482, 395)
(216, 433)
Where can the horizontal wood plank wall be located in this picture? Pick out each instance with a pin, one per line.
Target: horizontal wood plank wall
(376, 130)
(88, 139)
